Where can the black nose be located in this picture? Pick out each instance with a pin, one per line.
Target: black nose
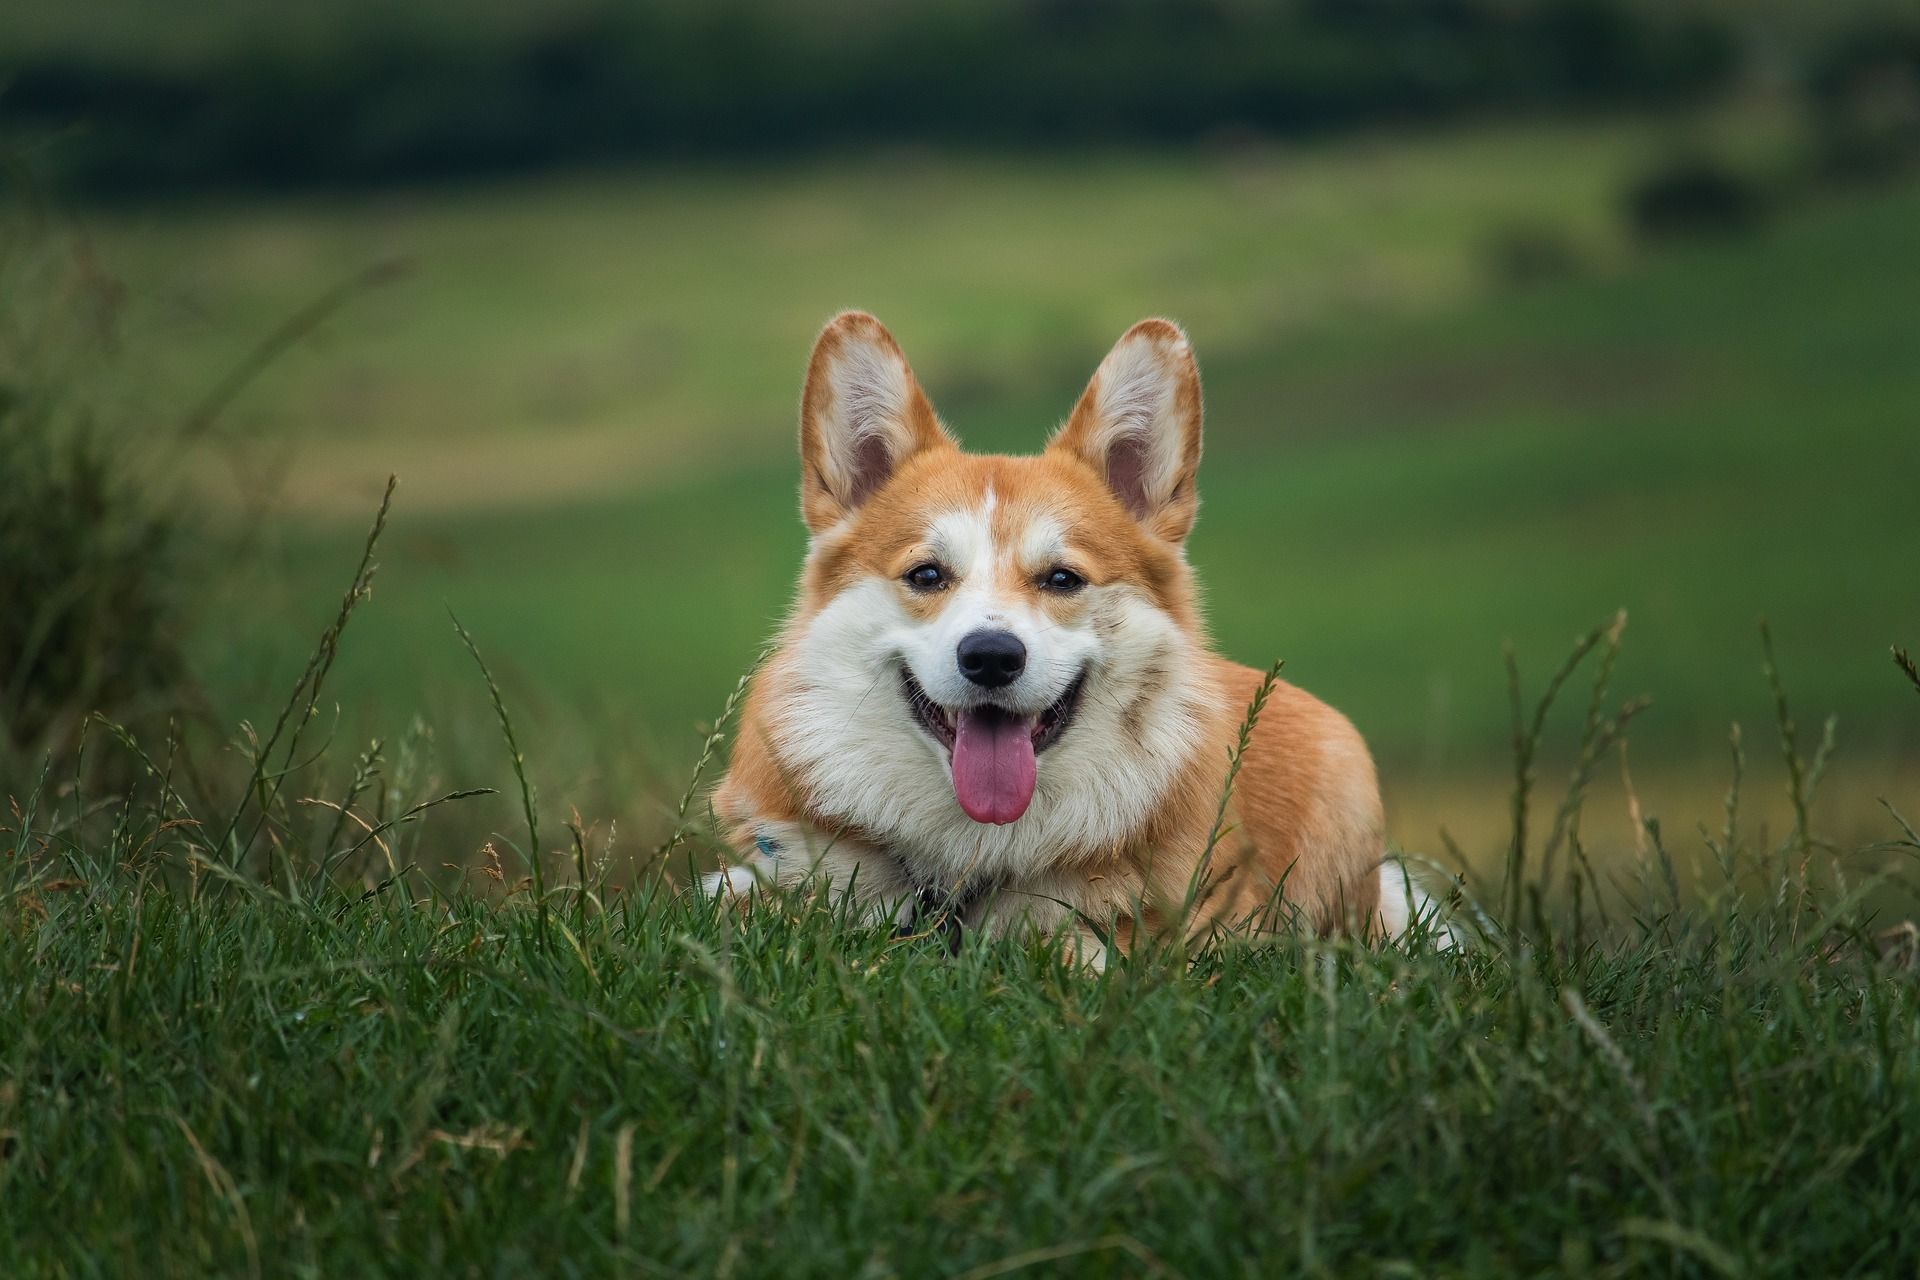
(991, 658)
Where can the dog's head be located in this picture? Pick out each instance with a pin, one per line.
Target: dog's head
(993, 640)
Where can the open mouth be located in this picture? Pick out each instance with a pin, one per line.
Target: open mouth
(1044, 729)
(991, 748)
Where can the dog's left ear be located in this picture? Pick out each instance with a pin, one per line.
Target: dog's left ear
(1138, 425)
(862, 414)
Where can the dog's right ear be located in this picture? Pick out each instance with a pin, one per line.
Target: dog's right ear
(862, 414)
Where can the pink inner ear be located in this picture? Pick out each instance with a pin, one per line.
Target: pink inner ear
(872, 464)
(1127, 474)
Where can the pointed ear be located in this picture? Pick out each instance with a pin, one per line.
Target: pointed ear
(1138, 425)
(862, 414)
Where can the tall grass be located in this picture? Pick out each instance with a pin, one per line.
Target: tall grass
(293, 1043)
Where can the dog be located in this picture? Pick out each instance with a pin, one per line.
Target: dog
(994, 706)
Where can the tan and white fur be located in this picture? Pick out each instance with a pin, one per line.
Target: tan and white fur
(1083, 781)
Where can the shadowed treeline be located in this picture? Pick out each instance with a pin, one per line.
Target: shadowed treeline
(351, 91)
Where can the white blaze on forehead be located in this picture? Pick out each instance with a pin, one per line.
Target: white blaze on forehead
(1042, 542)
(963, 540)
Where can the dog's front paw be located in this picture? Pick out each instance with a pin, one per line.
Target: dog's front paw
(732, 884)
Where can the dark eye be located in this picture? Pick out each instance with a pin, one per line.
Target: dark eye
(926, 577)
(1062, 580)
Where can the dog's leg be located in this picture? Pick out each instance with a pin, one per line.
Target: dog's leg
(792, 855)
(1405, 904)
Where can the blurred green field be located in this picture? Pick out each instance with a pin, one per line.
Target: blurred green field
(586, 386)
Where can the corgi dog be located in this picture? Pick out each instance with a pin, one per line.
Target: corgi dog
(994, 705)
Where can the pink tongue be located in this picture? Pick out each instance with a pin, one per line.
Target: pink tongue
(992, 765)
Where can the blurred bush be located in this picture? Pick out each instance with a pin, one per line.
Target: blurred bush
(357, 90)
(1521, 254)
(91, 572)
(1693, 194)
(1866, 93)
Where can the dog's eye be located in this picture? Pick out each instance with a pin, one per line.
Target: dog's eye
(1062, 580)
(926, 577)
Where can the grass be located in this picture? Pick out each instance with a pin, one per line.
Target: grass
(245, 1087)
(1696, 1066)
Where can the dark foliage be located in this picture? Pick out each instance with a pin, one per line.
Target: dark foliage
(1694, 195)
(1866, 92)
(423, 91)
(91, 565)
(87, 571)
(1523, 254)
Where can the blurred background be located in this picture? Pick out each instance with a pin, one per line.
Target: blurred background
(1511, 313)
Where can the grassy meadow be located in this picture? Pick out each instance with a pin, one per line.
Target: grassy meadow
(352, 993)
(586, 386)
